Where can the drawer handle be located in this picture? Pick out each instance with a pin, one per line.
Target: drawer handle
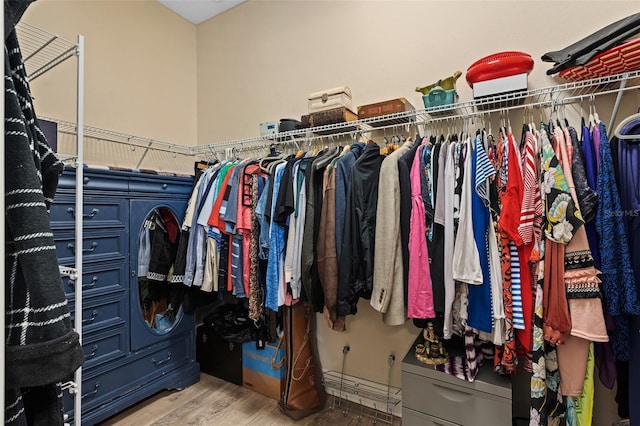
(94, 315)
(453, 394)
(162, 361)
(94, 350)
(72, 247)
(165, 186)
(86, 180)
(93, 282)
(96, 387)
(94, 212)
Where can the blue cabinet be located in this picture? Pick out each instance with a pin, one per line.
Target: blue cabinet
(142, 334)
(127, 357)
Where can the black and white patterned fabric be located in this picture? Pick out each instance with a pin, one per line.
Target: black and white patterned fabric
(41, 348)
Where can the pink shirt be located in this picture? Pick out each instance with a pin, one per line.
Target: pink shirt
(420, 292)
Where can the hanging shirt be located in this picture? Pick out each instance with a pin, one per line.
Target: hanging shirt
(629, 172)
(313, 182)
(448, 212)
(275, 266)
(301, 210)
(466, 260)
(292, 232)
(595, 137)
(436, 236)
(343, 175)
(196, 248)
(420, 292)
(480, 313)
(326, 250)
(214, 217)
(559, 231)
(404, 166)
(617, 273)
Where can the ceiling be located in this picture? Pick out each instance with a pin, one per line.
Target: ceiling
(198, 11)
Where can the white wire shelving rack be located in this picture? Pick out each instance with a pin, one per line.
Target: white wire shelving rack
(130, 151)
(547, 97)
(41, 52)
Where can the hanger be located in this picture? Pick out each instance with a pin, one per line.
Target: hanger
(594, 119)
(273, 156)
(618, 131)
(564, 116)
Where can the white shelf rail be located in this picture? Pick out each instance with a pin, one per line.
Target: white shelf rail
(77, 389)
(42, 51)
(560, 94)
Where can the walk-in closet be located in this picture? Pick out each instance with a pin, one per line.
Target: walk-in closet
(321, 212)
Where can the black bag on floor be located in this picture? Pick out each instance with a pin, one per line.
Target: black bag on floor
(231, 322)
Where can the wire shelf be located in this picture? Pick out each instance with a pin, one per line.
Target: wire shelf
(42, 51)
(543, 97)
(346, 386)
(90, 132)
(123, 150)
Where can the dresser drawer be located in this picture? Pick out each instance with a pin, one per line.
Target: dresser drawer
(456, 403)
(415, 418)
(96, 213)
(101, 312)
(174, 186)
(147, 367)
(94, 180)
(106, 246)
(104, 346)
(98, 279)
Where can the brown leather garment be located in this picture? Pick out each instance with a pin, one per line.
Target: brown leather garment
(303, 392)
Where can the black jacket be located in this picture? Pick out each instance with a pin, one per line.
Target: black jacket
(355, 266)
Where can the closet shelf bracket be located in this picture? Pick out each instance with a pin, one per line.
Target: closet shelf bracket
(67, 271)
(616, 106)
(70, 386)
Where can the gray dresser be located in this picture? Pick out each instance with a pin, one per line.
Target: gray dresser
(434, 398)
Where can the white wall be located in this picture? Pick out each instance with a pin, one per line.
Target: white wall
(140, 67)
(260, 60)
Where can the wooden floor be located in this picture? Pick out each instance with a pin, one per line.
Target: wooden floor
(213, 401)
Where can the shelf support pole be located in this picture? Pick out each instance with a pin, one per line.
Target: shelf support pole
(77, 397)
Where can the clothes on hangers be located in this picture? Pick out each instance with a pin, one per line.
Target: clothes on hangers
(355, 267)
(483, 238)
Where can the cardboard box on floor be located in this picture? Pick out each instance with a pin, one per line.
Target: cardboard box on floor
(263, 369)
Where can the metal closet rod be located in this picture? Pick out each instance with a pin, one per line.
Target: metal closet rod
(541, 97)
